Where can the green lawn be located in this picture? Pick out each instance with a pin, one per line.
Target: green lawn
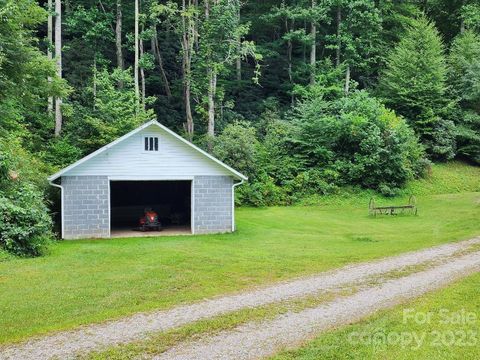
(87, 281)
(445, 324)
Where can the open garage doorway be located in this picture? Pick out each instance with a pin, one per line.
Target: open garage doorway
(171, 200)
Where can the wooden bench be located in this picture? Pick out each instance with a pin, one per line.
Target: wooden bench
(410, 208)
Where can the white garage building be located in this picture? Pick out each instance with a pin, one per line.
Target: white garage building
(105, 193)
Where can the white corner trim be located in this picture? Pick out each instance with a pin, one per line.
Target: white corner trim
(109, 210)
(192, 207)
(236, 174)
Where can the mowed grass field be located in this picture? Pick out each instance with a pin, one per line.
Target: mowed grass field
(87, 281)
(443, 325)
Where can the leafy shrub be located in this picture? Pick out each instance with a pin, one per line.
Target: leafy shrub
(237, 146)
(331, 143)
(15, 158)
(61, 152)
(25, 223)
(361, 140)
(276, 157)
(267, 164)
(315, 181)
(262, 191)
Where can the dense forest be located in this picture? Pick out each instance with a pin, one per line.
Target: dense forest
(303, 96)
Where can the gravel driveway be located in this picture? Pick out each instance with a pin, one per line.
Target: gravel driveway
(257, 340)
(95, 337)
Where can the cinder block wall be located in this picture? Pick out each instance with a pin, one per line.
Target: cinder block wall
(85, 207)
(213, 204)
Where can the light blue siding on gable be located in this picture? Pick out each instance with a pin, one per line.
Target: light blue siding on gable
(128, 158)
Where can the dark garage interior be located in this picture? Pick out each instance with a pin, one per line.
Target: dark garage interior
(171, 200)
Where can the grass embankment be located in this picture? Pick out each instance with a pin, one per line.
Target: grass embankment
(449, 178)
(441, 325)
(82, 282)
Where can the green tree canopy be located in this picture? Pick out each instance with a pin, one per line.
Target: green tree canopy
(464, 75)
(414, 85)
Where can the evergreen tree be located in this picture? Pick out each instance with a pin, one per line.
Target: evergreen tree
(470, 15)
(464, 75)
(414, 85)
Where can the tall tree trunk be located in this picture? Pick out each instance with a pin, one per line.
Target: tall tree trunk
(118, 40)
(49, 49)
(239, 68)
(339, 41)
(118, 35)
(462, 26)
(155, 45)
(462, 20)
(289, 57)
(195, 34)
(313, 51)
(212, 87)
(94, 80)
(347, 80)
(304, 45)
(142, 70)
(58, 57)
(135, 67)
(188, 37)
(188, 108)
(239, 58)
(207, 9)
(142, 73)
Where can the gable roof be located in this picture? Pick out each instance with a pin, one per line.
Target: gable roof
(234, 172)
